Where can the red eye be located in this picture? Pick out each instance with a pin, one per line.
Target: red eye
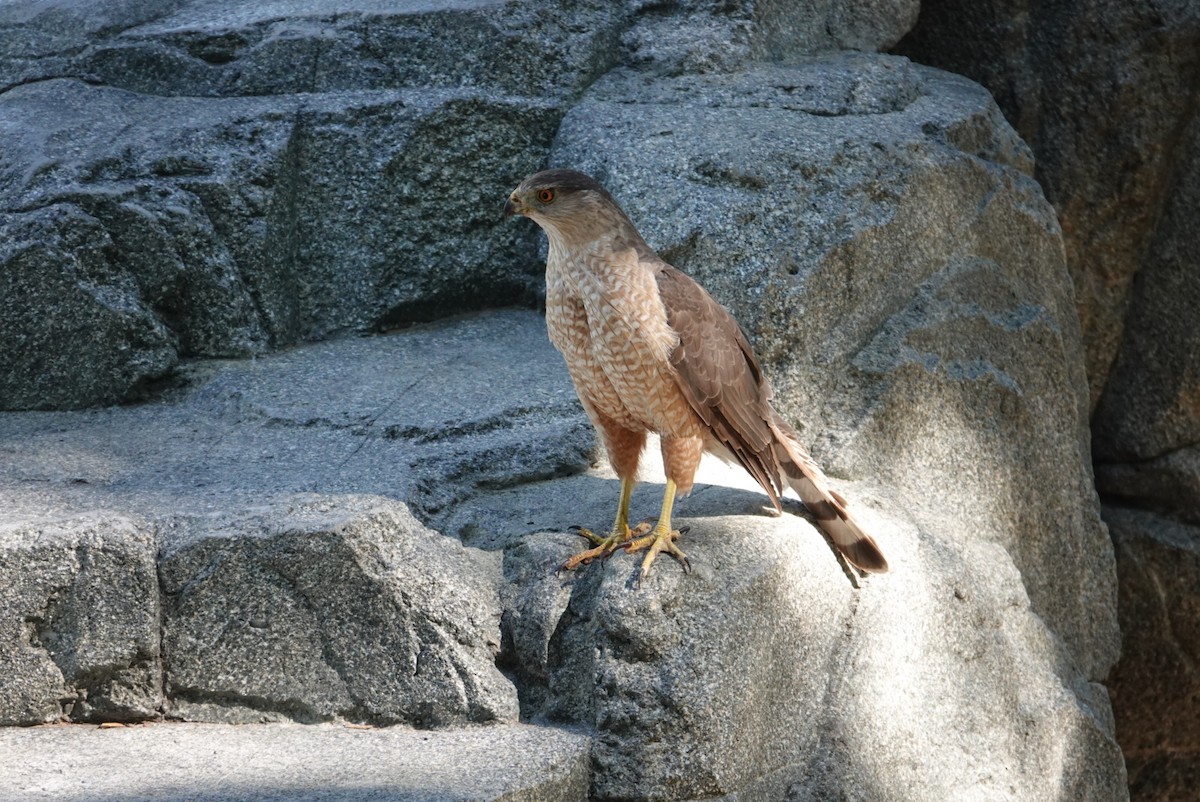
(546, 195)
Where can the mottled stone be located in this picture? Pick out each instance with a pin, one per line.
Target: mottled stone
(266, 763)
(1155, 686)
(79, 620)
(1103, 91)
(322, 609)
(230, 226)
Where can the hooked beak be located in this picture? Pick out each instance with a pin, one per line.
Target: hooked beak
(513, 206)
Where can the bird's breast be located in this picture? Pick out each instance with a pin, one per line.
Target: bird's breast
(606, 316)
(619, 294)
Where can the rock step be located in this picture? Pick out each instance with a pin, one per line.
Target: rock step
(328, 762)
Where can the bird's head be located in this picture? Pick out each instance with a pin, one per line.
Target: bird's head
(567, 204)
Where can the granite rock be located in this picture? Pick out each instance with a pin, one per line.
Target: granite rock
(265, 592)
(230, 226)
(368, 529)
(864, 233)
(320, 610)
(1106, 95)
(80, 619)
(835, 683)
(228, 179)
(860, 216)
(268, 763)
(240, 506)
(223, 180)
(1155, 687)
(1103, 91)
(702, 36)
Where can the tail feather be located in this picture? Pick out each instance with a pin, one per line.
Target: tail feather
(803, 475)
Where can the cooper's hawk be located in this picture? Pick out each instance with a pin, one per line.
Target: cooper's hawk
(649, 350)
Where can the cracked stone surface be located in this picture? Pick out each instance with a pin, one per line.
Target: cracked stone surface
(1147, 441)
(190, 180)
(1148, 422)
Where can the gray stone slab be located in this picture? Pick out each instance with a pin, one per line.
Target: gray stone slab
(320, 608)
(273, 763)
(428, 415)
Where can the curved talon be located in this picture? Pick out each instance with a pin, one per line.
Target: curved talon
(603, 545)
(587, 534)
(585, 557)
(658, 541)
(654, 541)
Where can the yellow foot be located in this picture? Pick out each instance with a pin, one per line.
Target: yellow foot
(604, 545)
(655, 543)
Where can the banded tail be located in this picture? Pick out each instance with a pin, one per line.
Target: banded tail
(802, 474)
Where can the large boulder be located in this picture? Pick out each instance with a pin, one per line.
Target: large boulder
(1107, 93)
(830, 687)
(866, 235)
(185, 47)
(1102, 90)
(766, 672)
(874, 226)
(263, 609)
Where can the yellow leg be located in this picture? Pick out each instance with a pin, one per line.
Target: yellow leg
(622, 522)
(604, 546)
(662, 538)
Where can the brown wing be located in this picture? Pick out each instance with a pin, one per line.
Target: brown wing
(720, 376)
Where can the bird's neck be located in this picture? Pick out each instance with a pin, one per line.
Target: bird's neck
(586, 237)
(588, 256)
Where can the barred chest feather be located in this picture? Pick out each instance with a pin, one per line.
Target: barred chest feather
(605, 315)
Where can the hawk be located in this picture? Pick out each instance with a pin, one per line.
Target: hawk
(649, 350)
